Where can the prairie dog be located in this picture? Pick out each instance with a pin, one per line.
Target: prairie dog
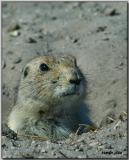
(50, 92)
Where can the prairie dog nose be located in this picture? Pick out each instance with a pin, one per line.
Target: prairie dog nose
(75, 81)
(73, 77)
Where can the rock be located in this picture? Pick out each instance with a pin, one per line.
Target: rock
(14, 33)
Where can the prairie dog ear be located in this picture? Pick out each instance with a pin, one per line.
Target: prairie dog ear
(25, 71)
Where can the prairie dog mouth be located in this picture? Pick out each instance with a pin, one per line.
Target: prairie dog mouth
(74, 91)
(68, 91)
(68, 94)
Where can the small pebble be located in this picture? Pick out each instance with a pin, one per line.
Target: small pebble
(14, 33)
(33, 142)
(13, 67)
(94, 143)
(81, 149)
(31, 40)
(75, 40)
(101, 28)
(43, 150)
(17, 60)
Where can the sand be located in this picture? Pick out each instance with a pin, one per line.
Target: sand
(96, 34)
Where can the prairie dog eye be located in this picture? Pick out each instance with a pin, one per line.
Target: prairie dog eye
(43, 67)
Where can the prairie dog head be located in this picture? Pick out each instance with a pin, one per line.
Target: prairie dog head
(54, 80)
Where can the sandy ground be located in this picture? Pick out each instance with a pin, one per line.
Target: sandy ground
(96, 34)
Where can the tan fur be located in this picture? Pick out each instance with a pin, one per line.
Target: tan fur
(47, 97)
